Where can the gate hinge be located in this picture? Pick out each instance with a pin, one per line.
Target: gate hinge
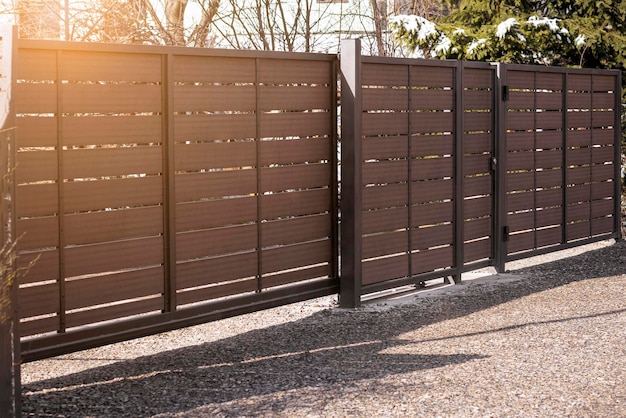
(505, 233)
(505, 93)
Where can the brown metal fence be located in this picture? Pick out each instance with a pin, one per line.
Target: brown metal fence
(450, 166)
(163, 187)
(154, 182)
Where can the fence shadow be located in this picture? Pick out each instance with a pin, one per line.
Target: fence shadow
(333, 346)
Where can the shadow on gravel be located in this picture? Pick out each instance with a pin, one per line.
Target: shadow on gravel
(331, 348)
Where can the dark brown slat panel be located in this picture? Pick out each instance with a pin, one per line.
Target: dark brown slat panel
(429, 260)
(435, 122)
(578, 175)
(385, 99)
(602, 172)
(431, 168)
(548, 159)
(104, 130)
(477, 143)
(431, 190)
(291, 231)
(478, 185)
(478, 122)
(295, 98)
(603, 119)
(385, 147)
(35, 98)
(478, 77)
(111, 98)
(294, 256)
(385, 196)
(549, 139)
(213, 69)
(38, 300)
(477, 228)
(520, 79)
(547, 217)
(110, 66)
(549, 100)
(301, 176)
(81, 196)
(578, 230)
(299, 275)
(603, 190)
(604, 100)
(579, 120)
(215, 213)
(113, 287)
(477, 99)
(37, 233)
(113, 256)
(85, 163)
(385, 172)
(36, 64)
(601, 208)
(36, 166)
(215, 242)
(216, 270)
(383, 269)
(548, 197)
(578, 101)
(577, 212)
(520, 141)
(580, 193)
(385, 220)
(432, 236)
(520, 121)
(36, 131)
(107, 313)
(520, 181)
(603, 154)
(427, 76)
(39, 326)
(301, 203)
(385, 244)
(603, 82)
(521, 221)
(579, 82)
(113, 225)
(215, 184)
(429, 145)
(476, 164)
(602, 225)
(432, 213)
(520, 201)
(521, 99)
(277, 71)
(521, 242)
(477, 250)
(295, 151)
(520, 161)
(215, 292)
(214, 127)
(549, 236)
(294, 124)
(476, 208)
(46, 266)
(549, 81)
(427, 99)
(384, 75)
(580, 156)
(549, 178)
(603, 136)
(214, 98)
(374, 124)
(194, 157)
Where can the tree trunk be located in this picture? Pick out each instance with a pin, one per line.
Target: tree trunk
(174, 15)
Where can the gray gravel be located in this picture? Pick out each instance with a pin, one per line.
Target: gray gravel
(547, 338)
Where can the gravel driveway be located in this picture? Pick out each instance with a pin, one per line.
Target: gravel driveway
(547, 338)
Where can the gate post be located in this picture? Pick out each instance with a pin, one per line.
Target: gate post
(351, 182)
(500, 151)
(10, 381)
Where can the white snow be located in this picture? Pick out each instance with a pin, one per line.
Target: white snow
(579, 41)
(505, 27)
